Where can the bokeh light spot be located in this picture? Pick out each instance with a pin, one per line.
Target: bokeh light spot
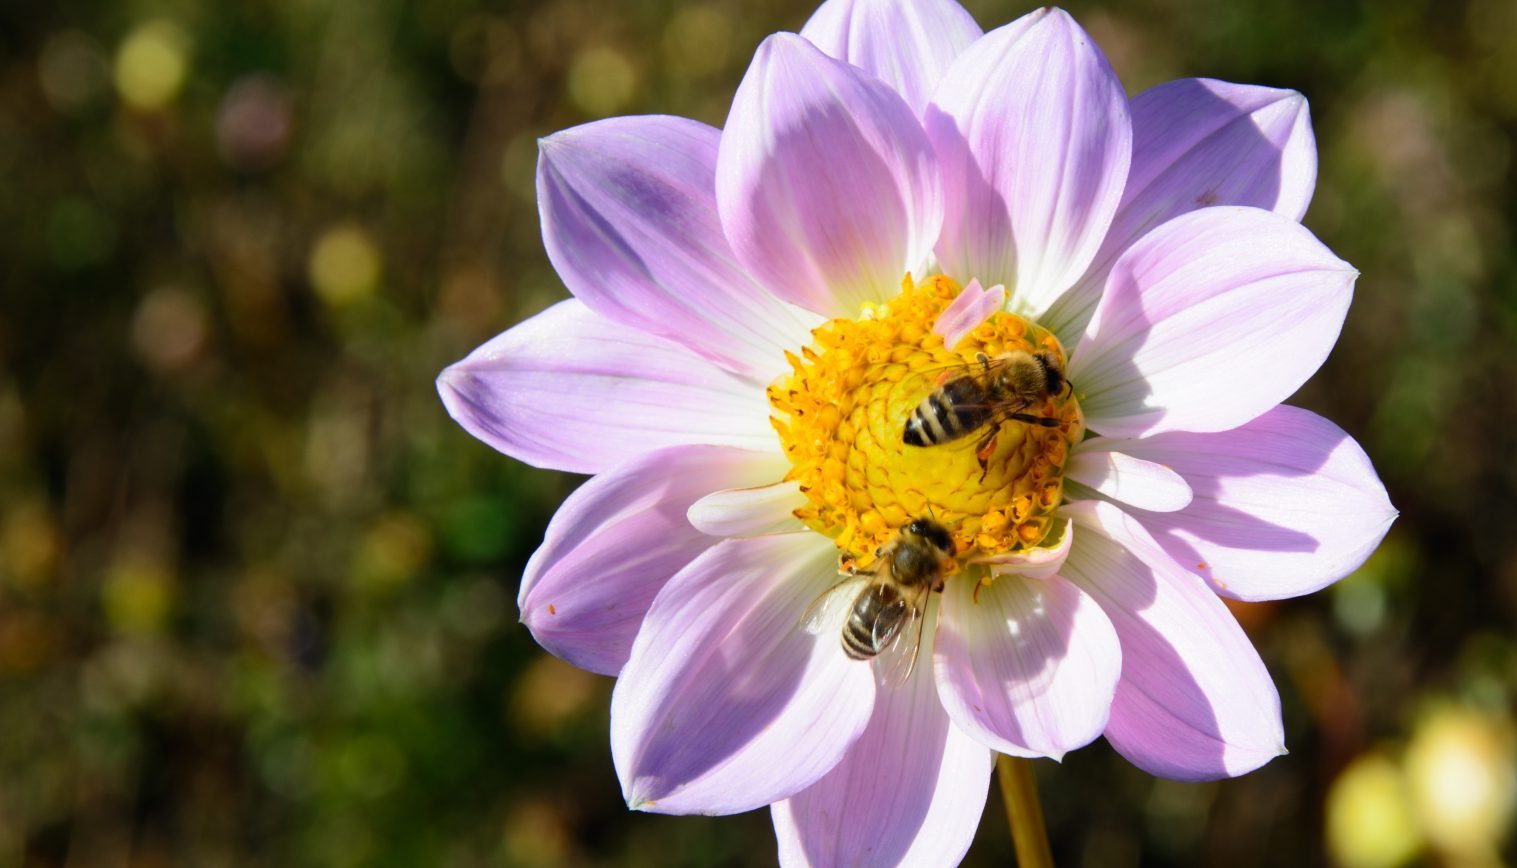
(30, 546)
(601, 81)
(396, 547)
(255, 123)
(138, 595)
(698, 41)
(1369, 818)
(1460, 765)
(72, 70)
(345, 265)
(169, 329)
(151, 64)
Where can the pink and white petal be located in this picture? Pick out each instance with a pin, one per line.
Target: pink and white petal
(918, 807)
(1039, 563)
(827, 187)
(1032, 130)
(1098, 465)
(751, 511)
(1285, 505)
(1030, 668)
(571, 390)
(726, 705)
(1195, 701)
(1200, 142)
(905, 43)
(614, 543)
(972, 306)
(1207, 322)
(629, 220)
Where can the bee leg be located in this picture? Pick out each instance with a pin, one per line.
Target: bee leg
(1044, 421)
(984, 361)
(986, 448)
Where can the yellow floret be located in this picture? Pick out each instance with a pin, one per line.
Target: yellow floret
(841, 416)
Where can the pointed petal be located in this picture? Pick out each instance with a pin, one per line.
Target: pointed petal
(614, 543)
(1098, 465)
(826, 184)
(570, 390)
(751, 511)
(909, 792)
(1195, 701)
(629, 220)
(1208, 321)
(726, 705)
(1285, 505)
(1031, 128)
(905, 43)
(1200, 142)
(1030, 668)
(972, 307)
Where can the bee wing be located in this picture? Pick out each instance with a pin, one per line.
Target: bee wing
(925, 380)
(828, 611)
(896, 663)
(888, 623)
(919, 384)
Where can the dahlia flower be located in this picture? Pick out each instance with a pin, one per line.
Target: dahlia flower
(759, 309)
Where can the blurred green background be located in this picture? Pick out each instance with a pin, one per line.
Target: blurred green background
(256, 589)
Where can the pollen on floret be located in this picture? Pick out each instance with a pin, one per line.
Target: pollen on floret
(841, 416)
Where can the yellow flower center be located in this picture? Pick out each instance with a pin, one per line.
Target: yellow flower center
(841, 415)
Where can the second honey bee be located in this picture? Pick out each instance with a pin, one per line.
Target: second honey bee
(988, 393)
(882, 609)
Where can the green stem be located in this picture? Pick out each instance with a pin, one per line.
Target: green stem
(1020, 792)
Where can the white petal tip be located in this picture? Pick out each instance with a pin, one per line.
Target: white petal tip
(448, 379)
(638, 800)
(454, 385)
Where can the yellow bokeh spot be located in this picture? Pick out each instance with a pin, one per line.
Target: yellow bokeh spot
(698, 40)
(841, 416)
(601, 80)
(138, 595)
(151, 64)
(392, 552)
(345, 265)
(30, 545)
(1460, 766)
(1369, 816)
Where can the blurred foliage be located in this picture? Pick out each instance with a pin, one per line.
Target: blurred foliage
(255, 586)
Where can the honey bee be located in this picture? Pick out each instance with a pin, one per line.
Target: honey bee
(996, 390)
(882, 608)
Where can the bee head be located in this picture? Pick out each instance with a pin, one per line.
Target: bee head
(933, 533)
(1052, 371)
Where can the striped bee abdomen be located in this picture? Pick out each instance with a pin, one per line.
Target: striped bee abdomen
(953, 411)
(877, 613)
